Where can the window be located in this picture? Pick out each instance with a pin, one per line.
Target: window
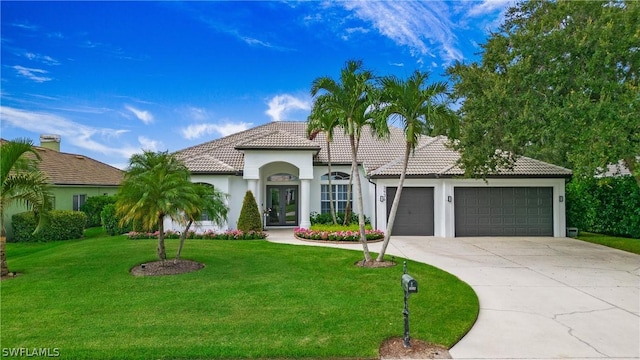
(339, 187)
(282, 178)
(78, 201)
(204, 216)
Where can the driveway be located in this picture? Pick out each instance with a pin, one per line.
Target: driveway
(540, 298)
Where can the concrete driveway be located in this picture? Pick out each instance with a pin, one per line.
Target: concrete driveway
(540, 298)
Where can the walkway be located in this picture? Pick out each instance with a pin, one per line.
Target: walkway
(540, 298)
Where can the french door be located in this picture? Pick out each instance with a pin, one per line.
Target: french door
(282, 201)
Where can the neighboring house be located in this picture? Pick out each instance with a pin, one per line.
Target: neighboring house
(73, 178)
(287, 173)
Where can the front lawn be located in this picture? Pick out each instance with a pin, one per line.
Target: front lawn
(253, 299)
(626, 244)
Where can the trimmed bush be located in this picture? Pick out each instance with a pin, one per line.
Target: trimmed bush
(249, 219)
(605, 206)
(348, 236)
(110, 222)
(93, 207)
(207, 235)
(62, 225)
(317, 218)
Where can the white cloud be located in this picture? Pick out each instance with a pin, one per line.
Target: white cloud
(45, 59)
(487, 7)
(33, 74)
(416, 25)
(281, 105)
(142, 115)
(148, 144)
(75, 133)
(196, 131)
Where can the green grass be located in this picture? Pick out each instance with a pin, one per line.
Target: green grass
(621, 243)
(253, 299)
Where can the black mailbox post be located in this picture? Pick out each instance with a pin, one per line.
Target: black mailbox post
(409, 286)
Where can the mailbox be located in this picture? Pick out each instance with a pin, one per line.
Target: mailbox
(409, 284)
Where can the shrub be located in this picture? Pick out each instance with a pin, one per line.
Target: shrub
(62, 225)
(110, 222)
(337, 235)
(606, 206)
(335, 228)
(249, 219)
(93, 207)
(317, 218)
(207, 235)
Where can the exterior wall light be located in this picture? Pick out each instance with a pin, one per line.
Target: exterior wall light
(382, 198)
(449, 198)
(561, 198)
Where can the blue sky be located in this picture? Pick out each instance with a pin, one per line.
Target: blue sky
(113, 78)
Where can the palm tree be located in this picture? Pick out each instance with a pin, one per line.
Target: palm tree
(422, 109)
(211, 202)
(155, 185)
(349, 99)
(22, 183)
(324, 120)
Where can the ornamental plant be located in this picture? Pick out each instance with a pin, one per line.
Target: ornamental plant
(250, 219)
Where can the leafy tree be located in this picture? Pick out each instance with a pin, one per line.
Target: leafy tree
(323, 120)
(558, 82)
(209, 201)
(155, 185)
(351, 99)
(22, 183)
(249, 219)
(422, 109)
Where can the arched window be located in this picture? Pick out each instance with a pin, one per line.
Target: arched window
(339, 187)
(282, 177)
(204, 216)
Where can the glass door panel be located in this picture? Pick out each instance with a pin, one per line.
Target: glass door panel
(282, 201)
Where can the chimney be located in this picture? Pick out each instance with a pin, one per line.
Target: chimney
(51, 142)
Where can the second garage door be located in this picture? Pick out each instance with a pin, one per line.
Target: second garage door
(415, 211)
(504, 211)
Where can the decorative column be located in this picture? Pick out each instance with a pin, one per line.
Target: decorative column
(252, 185)
(305, 198)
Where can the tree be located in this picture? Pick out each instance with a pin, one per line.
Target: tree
(155, 185)
(423, 110)
(209, 201)
(22, 183)
(249, 219)
(323, 120)
(351, 99)
(558, 82)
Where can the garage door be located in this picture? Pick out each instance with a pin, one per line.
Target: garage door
(415, 211)
(504, 211)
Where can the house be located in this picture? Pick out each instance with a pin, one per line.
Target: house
(287, 173)
(73, 178)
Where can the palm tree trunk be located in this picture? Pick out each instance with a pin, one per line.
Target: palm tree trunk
(395, 204)
(183, 236)
(162, 253)
(331, 206)
(347, 211)
(354, 165)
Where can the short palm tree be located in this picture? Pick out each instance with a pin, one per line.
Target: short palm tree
(323, 120)
(209, 201)
(350, 99)
(422, 109)
(22, 184)
(156, 185)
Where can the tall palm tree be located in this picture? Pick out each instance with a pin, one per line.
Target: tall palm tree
(155, 185)
(349, 99)
(23, 184)
(422, 110)
(210, 201)
(324, 120)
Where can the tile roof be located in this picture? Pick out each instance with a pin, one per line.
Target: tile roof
(379, 157)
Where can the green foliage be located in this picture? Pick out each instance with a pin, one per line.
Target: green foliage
(249, 219)
(111, 222)
(62, 225)
(317, 218)
(207, 235)
(335, 228)
(606, 206)
(93, 207)
(558, 82)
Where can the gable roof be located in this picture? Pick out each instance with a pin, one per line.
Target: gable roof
(379, 157)
(73, 169)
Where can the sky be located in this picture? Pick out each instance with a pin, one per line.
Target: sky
(116, 78)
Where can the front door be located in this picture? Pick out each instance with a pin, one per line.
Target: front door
(282, 201)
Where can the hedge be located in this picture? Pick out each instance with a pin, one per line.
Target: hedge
(93, 207)
(110, 222)
(605, 206)
(62, 225)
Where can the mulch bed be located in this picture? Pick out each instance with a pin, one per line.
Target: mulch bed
(394, 349)
(167, 267)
